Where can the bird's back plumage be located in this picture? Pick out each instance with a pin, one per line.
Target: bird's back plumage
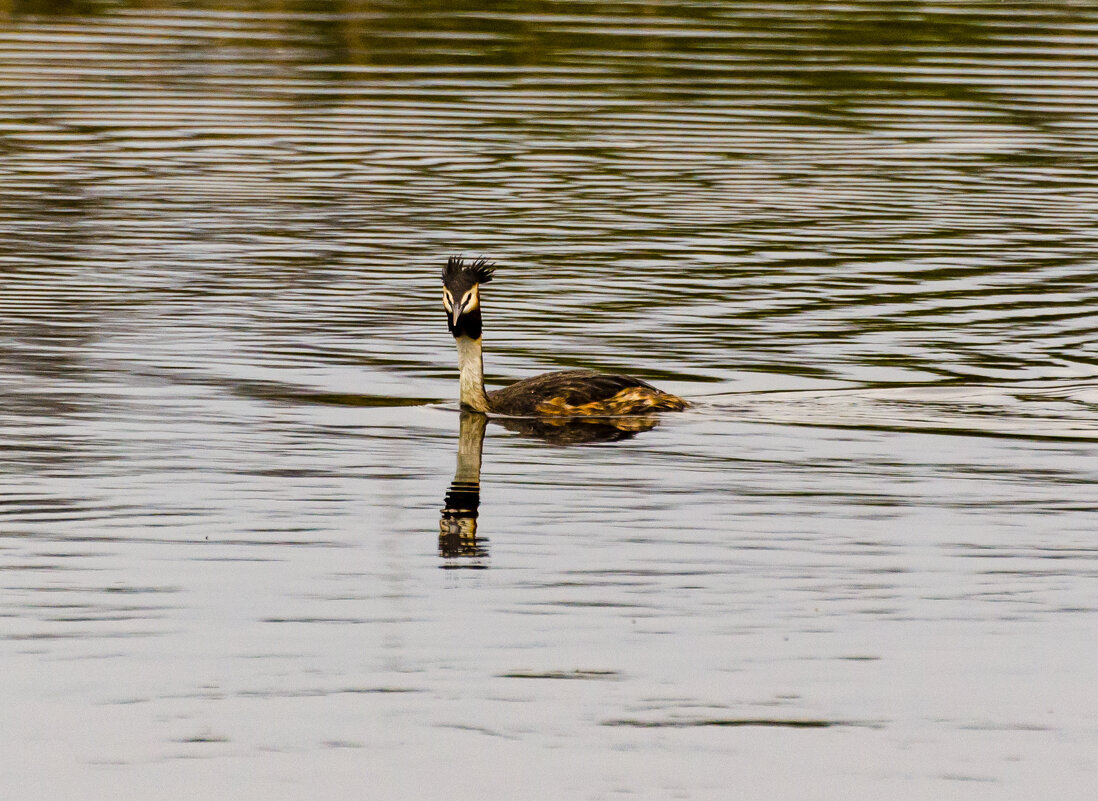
(581, 393)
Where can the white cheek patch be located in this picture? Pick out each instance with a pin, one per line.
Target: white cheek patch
(471, 300)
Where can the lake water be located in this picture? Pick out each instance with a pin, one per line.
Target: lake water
(860, 237)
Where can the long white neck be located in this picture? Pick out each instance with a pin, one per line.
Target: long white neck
(471, 362)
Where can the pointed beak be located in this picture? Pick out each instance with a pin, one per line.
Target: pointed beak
(456, 314)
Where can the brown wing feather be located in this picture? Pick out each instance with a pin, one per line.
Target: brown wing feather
(581, 392)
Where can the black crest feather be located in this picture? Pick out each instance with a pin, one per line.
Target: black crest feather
(478, 271)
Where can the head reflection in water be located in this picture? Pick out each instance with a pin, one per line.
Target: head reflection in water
(457, 527)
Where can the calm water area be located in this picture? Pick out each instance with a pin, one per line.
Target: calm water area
(238, 551)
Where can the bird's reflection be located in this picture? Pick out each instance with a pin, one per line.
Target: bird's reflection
(457, 527)
(579, 430)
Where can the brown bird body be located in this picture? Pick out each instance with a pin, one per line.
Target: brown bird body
(571, 393)
(581, 393)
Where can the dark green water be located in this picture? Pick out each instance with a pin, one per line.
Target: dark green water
(859, 236)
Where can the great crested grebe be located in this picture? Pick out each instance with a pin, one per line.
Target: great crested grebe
(570, 393)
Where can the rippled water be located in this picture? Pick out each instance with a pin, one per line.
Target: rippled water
(859, 236)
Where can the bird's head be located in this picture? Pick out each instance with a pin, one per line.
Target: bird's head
(461, 282)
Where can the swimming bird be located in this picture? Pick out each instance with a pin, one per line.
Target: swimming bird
(570, 393)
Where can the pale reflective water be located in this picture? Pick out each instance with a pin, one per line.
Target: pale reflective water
(859, 236)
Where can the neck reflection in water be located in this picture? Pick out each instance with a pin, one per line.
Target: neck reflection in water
(457, 527)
